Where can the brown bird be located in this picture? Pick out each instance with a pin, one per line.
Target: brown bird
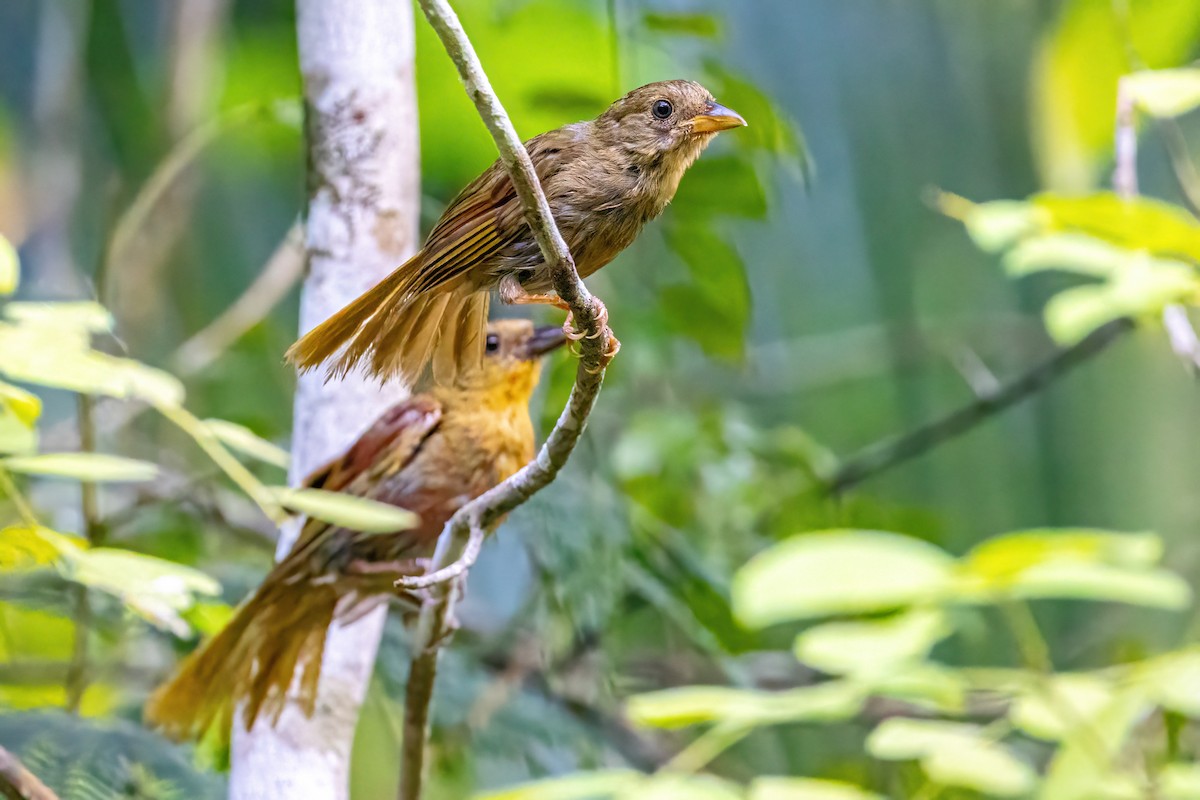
(604, 180)
(430, 454)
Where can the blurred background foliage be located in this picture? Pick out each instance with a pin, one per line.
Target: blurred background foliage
(805, 296)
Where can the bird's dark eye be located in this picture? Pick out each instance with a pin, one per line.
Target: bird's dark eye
(492, 344)
(662, 109)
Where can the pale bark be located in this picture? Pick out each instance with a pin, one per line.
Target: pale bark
(356, 57)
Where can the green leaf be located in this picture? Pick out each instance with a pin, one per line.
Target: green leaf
(10, 267)
(1054, 707)
(92, 467)
(1069, 252)
(26, 406)
(15, 436)
(695, 705)
(838, 572)
(1144, 288)
(153, 588)
(23, 547)
(1164, 92)
(933, 686)
(722, 186)
(667, 785)
(1071, 563)
(247, 442)
(953, 754)
(770, 129)
(1179, 782)
(85, 315)
(872, 647)
(1138, 223)
(1000, 224)
(583, 786)
(347, 511)
(714, 307)
(807, 789)
(1171, 680)
(1073, 773)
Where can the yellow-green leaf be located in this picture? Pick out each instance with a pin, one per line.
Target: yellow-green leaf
(666, 785)
(872, 647)
(10, 267)
(1164, 92)
(952, 754)
(26, 406)
(807, 789)
(837, 572)
(247, 442)
(693, 705)
(83, 315)
(1052, 708)
(23, 547)
(583, 786)
(347, 511)
(92, 467)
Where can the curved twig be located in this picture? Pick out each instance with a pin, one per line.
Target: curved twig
(435, 620)
(18, 783)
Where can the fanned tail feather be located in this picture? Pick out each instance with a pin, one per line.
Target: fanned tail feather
(399, 329)
(281, 628)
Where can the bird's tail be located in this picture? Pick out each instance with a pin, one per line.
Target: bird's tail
(274, 642)
(398, 332)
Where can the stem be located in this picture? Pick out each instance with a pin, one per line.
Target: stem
(24, 510)
(77, 673)
(710, 744)
(888, 453)
(436, 613)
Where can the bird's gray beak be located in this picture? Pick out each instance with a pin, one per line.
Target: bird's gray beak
(545, 339)
(716, 117)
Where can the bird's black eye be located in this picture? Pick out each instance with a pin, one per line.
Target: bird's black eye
(492, 344)
(662, 109)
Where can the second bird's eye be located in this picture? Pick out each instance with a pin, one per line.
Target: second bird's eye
(662, 109)
(492, 344)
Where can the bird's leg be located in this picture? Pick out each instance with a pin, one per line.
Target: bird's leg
(513, 293)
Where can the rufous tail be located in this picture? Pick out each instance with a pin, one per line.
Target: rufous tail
(394, 331)
(274, 642)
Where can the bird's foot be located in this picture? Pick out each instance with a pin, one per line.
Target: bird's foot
(575, 335)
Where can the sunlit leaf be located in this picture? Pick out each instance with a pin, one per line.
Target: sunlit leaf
(1164, 92)
(1142, 289)
(807, 789)
(15, 436)
(1179, 782)
(1002, 223)
(1138, 223)
(354, 513)
(928, 685)
(874, 646)
(1052, 708)
(667, 785)
(153, 588)
(10, 267)
(583, 786)
(1171, 680)
(1156, 588)
(83, 315)
(1069, 252)
(1005, 557)
(96, 467)
(693, 705)
(25, 405)
(1073, 773)
(22, 547)
(1073, 80)
(247, 442)
(34, 634)
(835, 572)
(952, 754)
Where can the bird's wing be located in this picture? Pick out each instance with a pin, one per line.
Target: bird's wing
(486, 216)
(387, 446)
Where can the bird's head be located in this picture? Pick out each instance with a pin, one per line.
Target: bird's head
(511, 366)
(667, 123)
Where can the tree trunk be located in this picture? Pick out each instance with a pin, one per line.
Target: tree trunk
(356, 57)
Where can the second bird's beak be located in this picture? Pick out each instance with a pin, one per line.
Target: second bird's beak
(544, 339)
(716, 117)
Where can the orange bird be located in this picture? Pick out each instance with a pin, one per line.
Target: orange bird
(604, 180)
(430, 454)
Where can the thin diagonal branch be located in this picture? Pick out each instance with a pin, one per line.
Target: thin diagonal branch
(436, 615)
(18, 783)
(888, 453)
